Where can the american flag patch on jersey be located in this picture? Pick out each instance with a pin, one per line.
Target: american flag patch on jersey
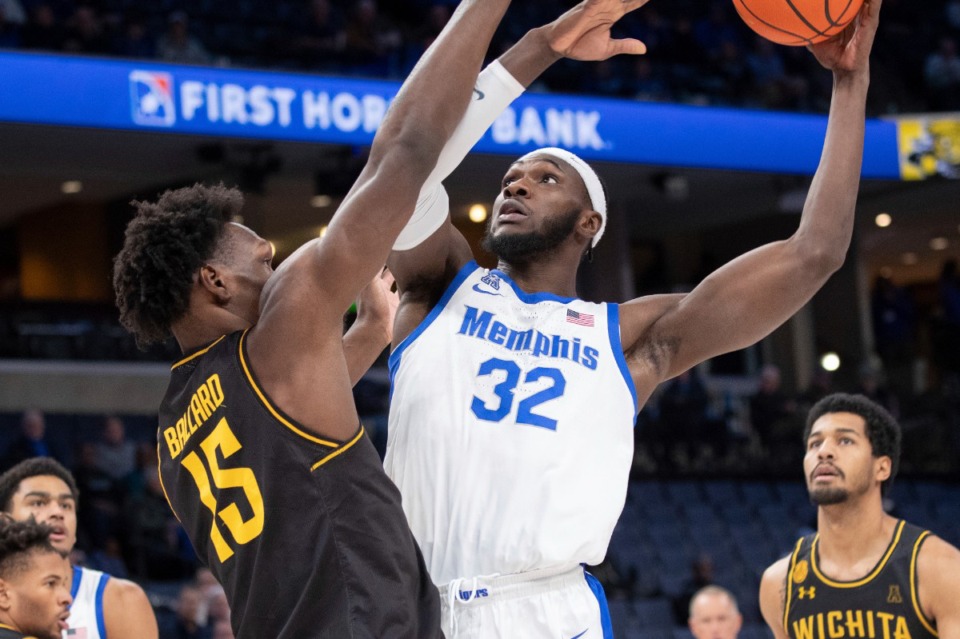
(580, 319)
(77, 633)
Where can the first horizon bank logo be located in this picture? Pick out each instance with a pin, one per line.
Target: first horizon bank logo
(151, 98)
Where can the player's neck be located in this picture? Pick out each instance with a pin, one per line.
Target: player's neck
(850, 530)
(193, 332)
(543, 275)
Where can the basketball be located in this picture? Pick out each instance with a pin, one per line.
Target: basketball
(797, 22)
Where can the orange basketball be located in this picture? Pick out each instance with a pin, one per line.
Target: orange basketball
(798, 22)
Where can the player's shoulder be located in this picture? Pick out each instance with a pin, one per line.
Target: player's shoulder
(776, 573)
(937, 556)
(123, 591)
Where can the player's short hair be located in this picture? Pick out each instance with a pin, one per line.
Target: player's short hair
(883, 431)
(34, 467)
(18, 541)
(164, 246)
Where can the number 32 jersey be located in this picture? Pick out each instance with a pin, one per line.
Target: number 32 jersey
(307, 536)
(511, 429)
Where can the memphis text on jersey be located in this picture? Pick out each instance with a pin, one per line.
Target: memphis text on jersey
(203, 403)
(483, 325)
(852, 624)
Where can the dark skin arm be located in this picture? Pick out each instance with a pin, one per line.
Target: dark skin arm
(582, 33)
(296, 348)
(748, 298)
(773, 596)
(373, 329)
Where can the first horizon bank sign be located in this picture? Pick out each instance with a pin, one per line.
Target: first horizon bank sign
(348, 114)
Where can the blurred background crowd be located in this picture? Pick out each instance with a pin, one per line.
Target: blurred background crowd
(698, 55)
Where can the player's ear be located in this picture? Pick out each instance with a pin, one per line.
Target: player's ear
(212, 280)
(884, 467)
(590, 223)
(5, 595)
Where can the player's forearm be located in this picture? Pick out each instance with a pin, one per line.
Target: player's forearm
(433, 99)
(530, 57)
(362, 345)
(826, 226)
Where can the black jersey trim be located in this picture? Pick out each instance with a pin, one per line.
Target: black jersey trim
(270, 407)
(789, 586)
(859, 582)
(914, 589)
(198, 353)
(339, 451)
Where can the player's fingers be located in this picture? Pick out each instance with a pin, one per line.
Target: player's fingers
(387, 277)
(627, 46)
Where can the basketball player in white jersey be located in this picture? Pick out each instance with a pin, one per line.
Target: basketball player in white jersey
(103, 606)
(513, 401)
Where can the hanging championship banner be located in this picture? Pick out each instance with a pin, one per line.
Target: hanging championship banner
(929, 148)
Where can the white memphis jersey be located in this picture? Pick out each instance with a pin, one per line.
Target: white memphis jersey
(86, 611)
(511, 429)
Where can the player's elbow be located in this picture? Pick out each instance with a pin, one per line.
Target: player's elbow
(820, 260)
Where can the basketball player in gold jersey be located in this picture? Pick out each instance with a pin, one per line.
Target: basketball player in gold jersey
(865, 574)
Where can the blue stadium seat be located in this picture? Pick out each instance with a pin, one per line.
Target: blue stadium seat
(654, 613)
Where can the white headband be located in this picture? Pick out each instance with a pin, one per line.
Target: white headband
(594, 189)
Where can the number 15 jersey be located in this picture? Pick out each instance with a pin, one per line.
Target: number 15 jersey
(511, 429)
(306, 535)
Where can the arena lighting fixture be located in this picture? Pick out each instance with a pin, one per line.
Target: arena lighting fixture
(883, 220)
(478, 213)
(830, 362)
(322, 231)
(939, 243)
(886, 272)
(909, 259)
(321, 201)
(273, 248)
(70, 187)
(237, 219)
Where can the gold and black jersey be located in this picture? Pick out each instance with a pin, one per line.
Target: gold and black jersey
(881, 605)
(306, 535)
(7, 632)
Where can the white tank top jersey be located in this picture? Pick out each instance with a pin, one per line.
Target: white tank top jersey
(511, 429)
(86, 611)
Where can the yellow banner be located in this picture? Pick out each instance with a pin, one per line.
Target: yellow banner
(929, 148)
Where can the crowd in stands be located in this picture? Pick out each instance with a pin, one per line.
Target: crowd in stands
(699, 53)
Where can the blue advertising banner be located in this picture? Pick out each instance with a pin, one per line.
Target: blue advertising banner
(140, 95)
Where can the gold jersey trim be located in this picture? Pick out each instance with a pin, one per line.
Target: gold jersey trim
(162, 486)
(789, 585)
(339, 451)
(270, 407)
(198, 353)
(914, 591)
(859, 582)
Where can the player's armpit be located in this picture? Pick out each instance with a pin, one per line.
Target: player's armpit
(938, 585)
(127, 612)
(773, 586)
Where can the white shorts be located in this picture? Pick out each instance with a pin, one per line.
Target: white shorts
(566, 603)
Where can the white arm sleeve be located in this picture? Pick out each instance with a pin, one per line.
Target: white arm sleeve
(495, 90)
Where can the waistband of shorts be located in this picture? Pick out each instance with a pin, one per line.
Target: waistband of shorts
(486, 588)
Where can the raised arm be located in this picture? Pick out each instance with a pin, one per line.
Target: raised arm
(427, 261)
(748, 298)
(296, 347)
(373, 329)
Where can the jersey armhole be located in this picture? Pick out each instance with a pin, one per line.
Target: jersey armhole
(613, 328)
(788, 586)
(914, 585)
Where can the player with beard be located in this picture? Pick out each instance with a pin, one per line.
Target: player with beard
(864, 573)
(513, 465)
(34, 582)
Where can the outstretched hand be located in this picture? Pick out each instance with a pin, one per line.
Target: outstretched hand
(849, 51)
(583, 32)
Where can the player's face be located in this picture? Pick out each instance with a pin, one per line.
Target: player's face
(250, 264)
(540, 203)
(839, 463)
(713, 616)
(39, 597)
(48, 500)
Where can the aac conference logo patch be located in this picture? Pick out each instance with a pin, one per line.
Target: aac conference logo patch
(800, 571)
(151, 98)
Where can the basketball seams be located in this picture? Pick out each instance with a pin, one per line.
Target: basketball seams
(793, 22)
